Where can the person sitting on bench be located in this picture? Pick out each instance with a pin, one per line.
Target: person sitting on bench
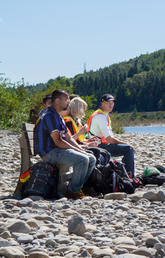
(72, 117)
(56, 146)
(47, 102)
(99, 124)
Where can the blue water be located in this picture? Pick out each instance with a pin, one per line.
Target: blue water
(145, 129)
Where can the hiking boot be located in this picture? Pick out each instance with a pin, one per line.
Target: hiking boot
(75, 196)
(91, 192)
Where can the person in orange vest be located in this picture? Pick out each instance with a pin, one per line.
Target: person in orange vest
(99, 124)
(72, 117)
(73, 120)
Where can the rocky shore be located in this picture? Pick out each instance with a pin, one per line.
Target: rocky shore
(118, 226)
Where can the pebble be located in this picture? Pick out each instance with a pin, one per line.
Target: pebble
(118, 226)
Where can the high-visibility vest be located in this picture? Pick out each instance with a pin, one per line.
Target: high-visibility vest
(76, 128)
(99, 111)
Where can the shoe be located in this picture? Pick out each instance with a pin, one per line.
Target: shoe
(75, 196)
(91, 192)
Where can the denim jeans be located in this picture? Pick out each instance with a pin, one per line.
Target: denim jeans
(82, 165)
(124, 150)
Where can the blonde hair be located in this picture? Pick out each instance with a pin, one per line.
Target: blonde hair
(78, 107)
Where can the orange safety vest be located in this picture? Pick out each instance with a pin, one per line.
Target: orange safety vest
(99, 111)
(76, 128)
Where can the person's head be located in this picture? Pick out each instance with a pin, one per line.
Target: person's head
(78, 107)
(72, 96)
(60, 100)
(107, 102)
(47, 101)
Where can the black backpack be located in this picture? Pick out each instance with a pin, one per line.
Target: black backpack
(102, 155)
(155, 179)
(42, 181)
(160, 168)
(110, 178)
(116, 179)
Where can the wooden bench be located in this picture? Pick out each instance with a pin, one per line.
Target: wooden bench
(26, 142)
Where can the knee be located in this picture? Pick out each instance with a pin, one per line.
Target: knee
(85, 160)
(92, 159)
(129, 148)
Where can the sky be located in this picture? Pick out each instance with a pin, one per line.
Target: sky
(43, 39)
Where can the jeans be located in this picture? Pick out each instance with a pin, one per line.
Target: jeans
(124, 150)
(82, 165)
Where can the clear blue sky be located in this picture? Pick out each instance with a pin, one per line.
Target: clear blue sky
(42, 39)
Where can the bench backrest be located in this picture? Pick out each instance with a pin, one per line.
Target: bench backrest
(28, 133)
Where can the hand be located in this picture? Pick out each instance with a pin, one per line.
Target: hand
(83, 130)
(93, 144)
(131, 145)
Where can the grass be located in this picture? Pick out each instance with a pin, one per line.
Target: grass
(136, 118)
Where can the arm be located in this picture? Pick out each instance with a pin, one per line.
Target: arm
(69, 143)
(113, 140)
(107, 131)
(83, 130)
(70, 139)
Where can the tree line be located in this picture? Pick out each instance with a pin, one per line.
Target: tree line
(138, 85)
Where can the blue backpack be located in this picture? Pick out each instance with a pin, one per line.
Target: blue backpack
(42, 181)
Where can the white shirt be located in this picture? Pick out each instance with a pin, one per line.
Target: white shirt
(99, 126)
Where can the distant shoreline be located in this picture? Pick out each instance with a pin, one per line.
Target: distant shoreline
(138, 119)
(152, 124)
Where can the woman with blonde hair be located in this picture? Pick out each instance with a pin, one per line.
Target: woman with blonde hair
(73, 117)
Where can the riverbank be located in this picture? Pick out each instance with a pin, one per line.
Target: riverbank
(138, 119)
(122, 226)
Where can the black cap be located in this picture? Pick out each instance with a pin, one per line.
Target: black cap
(107, 97)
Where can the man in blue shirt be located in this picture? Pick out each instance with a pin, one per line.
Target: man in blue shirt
(56, 146)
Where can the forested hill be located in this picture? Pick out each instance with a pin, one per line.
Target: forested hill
(137, 84)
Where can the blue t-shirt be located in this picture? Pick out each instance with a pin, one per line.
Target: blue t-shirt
(49, 122)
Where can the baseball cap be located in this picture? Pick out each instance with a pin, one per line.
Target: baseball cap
(107, 97)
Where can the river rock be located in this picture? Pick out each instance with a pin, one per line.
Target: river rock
(76, 225)
(121, 225)
(115, 196)
(38, 255)
(12, 252)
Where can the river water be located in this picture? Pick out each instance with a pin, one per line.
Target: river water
(145, 129)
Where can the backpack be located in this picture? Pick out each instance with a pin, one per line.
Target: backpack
(41, 180)
(110, 178)
(116, 178)
(102, 156)
(160, 168)
(154, 178)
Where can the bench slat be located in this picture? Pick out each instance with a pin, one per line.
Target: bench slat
(28, 132)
